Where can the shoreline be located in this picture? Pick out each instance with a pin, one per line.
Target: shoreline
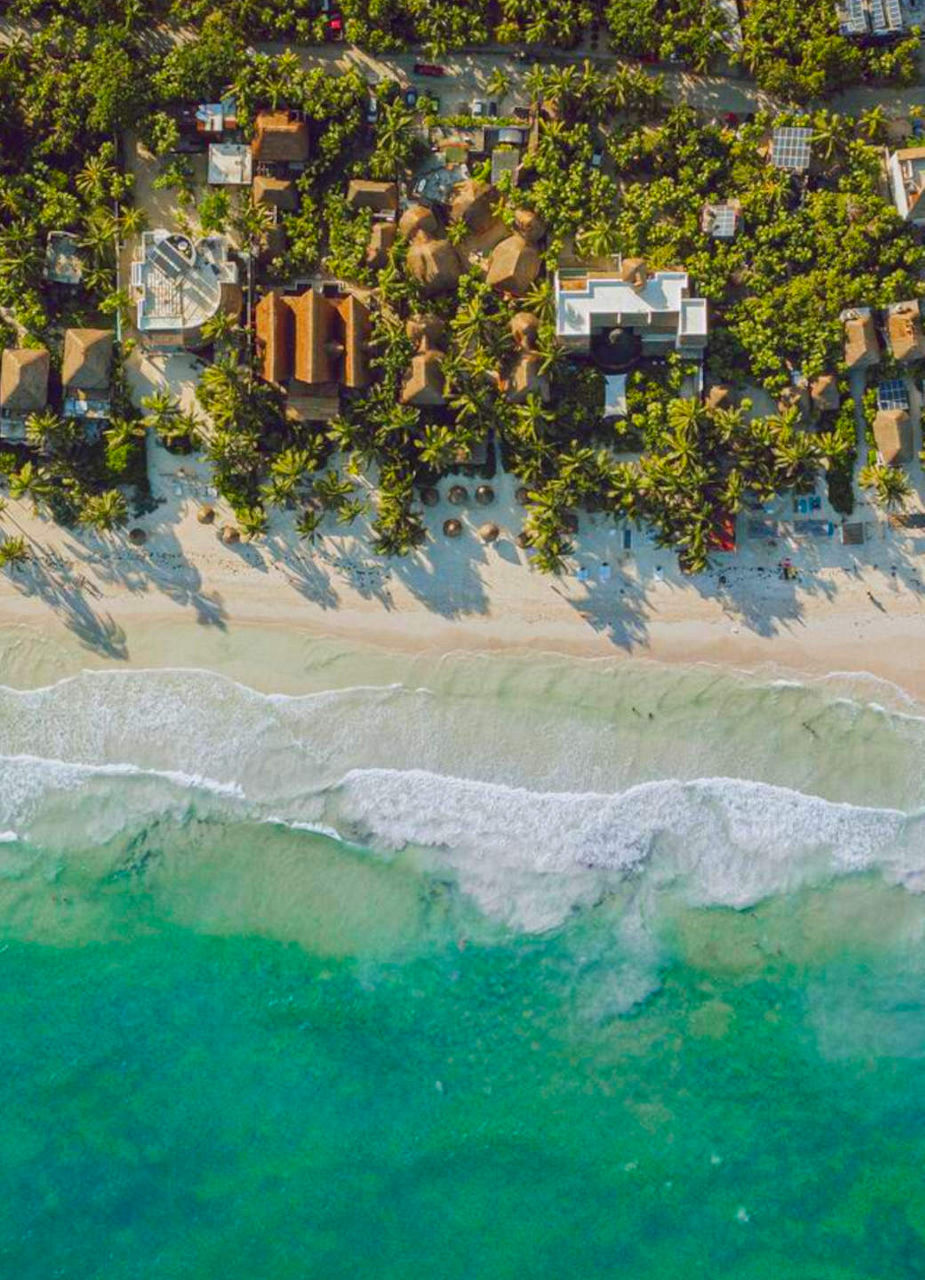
(263, 641)
(254, 610)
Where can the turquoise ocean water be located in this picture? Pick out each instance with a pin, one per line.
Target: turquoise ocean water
(499, 968)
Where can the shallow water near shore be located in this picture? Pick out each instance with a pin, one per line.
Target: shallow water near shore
(486, 966)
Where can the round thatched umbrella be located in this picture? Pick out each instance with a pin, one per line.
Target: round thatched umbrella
(523, 540)
(138, 537)
(205, 515)
(230, 534)
(452, 528)
(484, 495)
(489, 532)
(430, 496)
(522, 495)
(458, 494)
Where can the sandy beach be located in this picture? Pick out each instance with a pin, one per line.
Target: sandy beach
(186, 599)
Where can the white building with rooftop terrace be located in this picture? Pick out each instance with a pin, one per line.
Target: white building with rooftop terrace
(180, 284)
(656, 306)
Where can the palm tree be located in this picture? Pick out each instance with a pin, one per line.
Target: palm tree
(438, 446)
(220, 327)
(498, 84)
(348, 511)
(600, 239)
(131, 221)
(14, 552)
(331, 489)
(252, 521)
(100, 233)
(30, 482)
(104, 511)
(535, 83)
(94, 179)
(890, 485)
(308, 522)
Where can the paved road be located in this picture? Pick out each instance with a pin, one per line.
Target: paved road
(468, 72)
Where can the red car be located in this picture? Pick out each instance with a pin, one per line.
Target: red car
(335, 27)
(428, 69)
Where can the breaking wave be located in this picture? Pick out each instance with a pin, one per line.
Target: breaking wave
(541, 788)
(527, 858)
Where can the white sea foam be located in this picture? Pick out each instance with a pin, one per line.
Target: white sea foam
(532, 857)
(539, 792)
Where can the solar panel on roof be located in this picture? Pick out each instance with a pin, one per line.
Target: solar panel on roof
(892, 394)
(724, 221)
(790, 147)
(856, 17)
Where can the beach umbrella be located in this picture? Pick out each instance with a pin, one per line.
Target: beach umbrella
(138, 537)
(452, 528)
(205, 515)
(230, 534)
(488, 532)
(484, 495)
(522, 495)
(459, 493)
(430, 496)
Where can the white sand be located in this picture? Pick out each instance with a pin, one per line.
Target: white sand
(184, 599)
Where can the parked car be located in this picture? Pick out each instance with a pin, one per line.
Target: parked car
(372, 110)
(522, 113)
(428, 69)
(492, 109)
(430, 103)
(410, 96)
(731, 119)
(478, 107)
(335, 27)
(597, 158)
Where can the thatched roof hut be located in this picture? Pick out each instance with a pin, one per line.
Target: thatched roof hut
(513, 266)
(425, 384)
(823, 392)
(434, 264)
(525, 328)
(416, 220)
(530, 225)
(472, 203)
(24, 381)
(893, 434)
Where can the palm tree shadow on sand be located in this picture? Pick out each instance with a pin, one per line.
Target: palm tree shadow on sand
(616, 609)
(96, 631)
(139, 570)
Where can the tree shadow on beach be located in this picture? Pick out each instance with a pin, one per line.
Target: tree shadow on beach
(616, 608)
(48, 579)
(141, 569)
(445, 578)
(303, 571)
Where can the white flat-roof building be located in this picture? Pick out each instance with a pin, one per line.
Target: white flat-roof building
(180, 284)
(231, 164)
(657, 307)
(907, 183)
